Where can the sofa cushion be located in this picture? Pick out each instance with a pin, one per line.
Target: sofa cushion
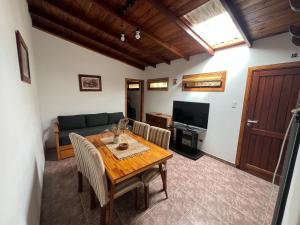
(94, 120)
(71, 122)
(115, 117)
(64, 135)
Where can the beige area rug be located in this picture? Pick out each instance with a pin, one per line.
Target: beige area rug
(134, 148)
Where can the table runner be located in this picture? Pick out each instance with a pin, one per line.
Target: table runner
(134, 147)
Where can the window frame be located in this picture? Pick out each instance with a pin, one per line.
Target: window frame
(205, 88)
(158, 80)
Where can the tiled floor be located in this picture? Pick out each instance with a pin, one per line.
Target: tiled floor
(205, 191)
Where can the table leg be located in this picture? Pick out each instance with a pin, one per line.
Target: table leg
(103, 215)
(111, 200)
(163, 172)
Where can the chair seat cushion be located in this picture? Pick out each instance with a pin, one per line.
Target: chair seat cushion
(64, 135)
(150, 175)
(127, 186)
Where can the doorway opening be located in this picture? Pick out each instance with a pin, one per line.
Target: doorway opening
(134, 99)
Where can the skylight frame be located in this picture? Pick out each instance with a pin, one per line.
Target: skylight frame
(209, 13)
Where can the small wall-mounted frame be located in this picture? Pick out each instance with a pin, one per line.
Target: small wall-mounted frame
(158, 84)
(23, 57)
(133, 86)
(89, 82)
(214, 81)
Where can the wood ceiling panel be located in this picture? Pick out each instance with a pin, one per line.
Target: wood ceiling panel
(76, 38)
(162, 39)
(265, 18)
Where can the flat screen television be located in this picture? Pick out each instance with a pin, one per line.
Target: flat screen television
(191, 113)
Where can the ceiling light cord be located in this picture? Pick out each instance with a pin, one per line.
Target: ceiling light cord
(294, 113)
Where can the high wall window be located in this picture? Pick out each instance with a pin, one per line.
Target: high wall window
(159, 84)
(134, 86)
(214, 81)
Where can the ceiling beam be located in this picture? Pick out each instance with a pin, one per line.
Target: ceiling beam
(237, 20)
(135, 57)
(182, 24)
(104, 29)
(155, 39)
(56, 29)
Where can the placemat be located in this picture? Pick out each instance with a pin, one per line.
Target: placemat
(134, 147)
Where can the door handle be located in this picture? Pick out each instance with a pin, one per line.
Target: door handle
(249, 122)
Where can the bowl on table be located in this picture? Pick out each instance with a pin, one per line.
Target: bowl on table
(122, 146)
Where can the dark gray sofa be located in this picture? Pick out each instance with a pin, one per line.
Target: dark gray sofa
(85, 124)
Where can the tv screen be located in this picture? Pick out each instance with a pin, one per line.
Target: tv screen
(191, 113)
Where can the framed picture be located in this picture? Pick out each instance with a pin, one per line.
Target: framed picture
(89, 82)
(23, 57)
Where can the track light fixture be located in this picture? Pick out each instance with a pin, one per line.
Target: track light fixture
(137, 34)
(122, 37)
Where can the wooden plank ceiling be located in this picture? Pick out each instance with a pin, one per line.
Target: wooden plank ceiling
(97, 25)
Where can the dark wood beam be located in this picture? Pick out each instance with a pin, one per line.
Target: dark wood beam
(296, 41)
(155, 39)
(295, 31)
(237, 20)
(295, 5)
(62, 32)
(135, 57)
(182, 24)
(104, 29)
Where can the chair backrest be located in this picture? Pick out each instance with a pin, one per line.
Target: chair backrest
(97, 175)
(141, 129)
(91, 165)
(159, 137)
(81, 165)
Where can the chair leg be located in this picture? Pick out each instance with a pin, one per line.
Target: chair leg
(163, 173)
(92, 198)
(136, 198)
(103, 215)
(146, 193)
(79, 181)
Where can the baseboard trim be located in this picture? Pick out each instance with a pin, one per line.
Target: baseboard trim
(221, 160)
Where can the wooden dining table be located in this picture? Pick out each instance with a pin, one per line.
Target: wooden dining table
(120, 170)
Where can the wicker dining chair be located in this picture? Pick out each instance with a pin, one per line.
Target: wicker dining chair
(98, 179)
(160, 137)
(141, 129)
(81, 164)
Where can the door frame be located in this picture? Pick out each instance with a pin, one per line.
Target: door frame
(142, 96)
(244, 118)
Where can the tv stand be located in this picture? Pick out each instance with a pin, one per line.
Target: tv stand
(190, 133)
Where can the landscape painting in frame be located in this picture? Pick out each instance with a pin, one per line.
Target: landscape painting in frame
(23, 57)
(89, 82)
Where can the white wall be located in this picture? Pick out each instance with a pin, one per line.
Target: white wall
(292, 209)
(58, 64)
(224, 121)
(21, 149)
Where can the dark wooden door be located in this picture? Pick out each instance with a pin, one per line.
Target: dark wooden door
(273, 94)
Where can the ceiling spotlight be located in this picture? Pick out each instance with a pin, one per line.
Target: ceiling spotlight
(122, 37)
(137, 34)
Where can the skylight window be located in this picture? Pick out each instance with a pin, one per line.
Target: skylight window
(214, 24)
